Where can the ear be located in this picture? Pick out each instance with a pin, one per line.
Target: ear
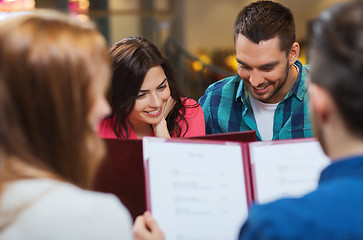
(294, 53)
(320, 102)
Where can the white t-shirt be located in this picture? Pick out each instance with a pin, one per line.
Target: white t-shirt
(57, 210)
(264, 115)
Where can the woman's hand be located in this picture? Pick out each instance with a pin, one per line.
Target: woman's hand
(146, 228)
(170, 103)
(161, 129)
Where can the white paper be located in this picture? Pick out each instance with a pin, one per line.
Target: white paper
(197, 190)
(289, 169)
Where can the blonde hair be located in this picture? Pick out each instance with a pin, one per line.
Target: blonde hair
(48, 65)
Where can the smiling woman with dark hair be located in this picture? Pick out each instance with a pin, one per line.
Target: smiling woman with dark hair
(145, 98)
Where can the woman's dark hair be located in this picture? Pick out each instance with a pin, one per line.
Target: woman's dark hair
(132, 58)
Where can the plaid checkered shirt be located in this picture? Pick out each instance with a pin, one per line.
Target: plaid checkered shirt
(227, 108)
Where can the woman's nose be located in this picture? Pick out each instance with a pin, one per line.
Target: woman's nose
(155, 100)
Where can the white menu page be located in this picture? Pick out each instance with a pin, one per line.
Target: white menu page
(196, 190)
(286, 169)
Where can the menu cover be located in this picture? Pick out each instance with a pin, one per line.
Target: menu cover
(122, 173)
(266, 171)
(202, 189)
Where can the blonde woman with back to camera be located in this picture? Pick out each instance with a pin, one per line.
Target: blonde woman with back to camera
(54, 72)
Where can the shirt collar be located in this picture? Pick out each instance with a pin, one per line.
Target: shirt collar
(299, 88)
(350, 166)
(242, 93)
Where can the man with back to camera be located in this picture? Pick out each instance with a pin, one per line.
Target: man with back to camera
(268, 94)
(335, 209)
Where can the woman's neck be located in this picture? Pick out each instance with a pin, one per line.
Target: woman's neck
(142, 129)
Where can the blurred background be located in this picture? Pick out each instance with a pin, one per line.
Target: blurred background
(195, 35)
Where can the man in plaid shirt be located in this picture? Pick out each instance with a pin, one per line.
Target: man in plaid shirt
(269, 94)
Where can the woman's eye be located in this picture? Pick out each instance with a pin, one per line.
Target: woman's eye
(140, 95)
(162, 87)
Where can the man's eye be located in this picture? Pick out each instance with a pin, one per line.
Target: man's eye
(245, 67)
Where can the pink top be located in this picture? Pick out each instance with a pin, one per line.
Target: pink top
(193, 115)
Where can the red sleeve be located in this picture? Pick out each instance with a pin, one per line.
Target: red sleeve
(105, 128)
(195, 118)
